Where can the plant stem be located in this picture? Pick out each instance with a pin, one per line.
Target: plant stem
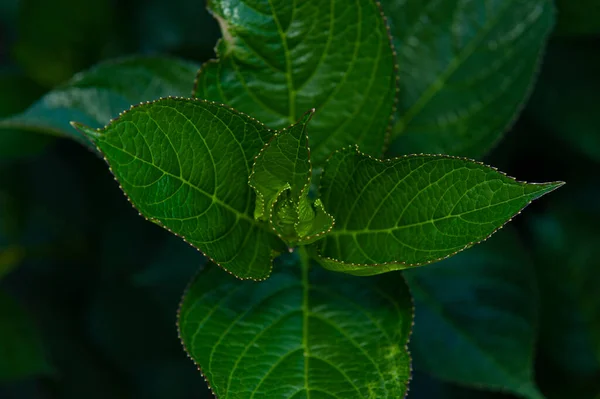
(305, 265)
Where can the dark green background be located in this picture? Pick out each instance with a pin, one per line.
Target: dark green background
(100, 286)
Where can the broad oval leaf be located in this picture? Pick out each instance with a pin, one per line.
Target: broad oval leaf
(466, 67)
(184, 164)
(413, 210)
(279, 58)
(101, 93)
(305, 332)
(476, 317)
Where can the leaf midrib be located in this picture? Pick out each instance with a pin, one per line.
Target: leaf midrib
(213, 197)
(288, 65)
(406, 226)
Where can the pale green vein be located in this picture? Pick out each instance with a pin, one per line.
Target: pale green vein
(193, 186)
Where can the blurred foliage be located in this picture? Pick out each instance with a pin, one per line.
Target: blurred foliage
(578, 18)
(89, 290)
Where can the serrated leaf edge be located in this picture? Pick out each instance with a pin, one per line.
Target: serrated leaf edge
(180, 335)
(304, 119)
(318, 256)
(199, 368)
(321, 233)
(396, 78)
(79, 127)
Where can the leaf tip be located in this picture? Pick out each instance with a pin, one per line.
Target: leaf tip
(549, 187)
(87, 131)
(307, 116)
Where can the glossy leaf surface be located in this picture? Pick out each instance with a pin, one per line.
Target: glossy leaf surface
(96, 96)
(278, 59)
(466, 67)
(184, 164)
(413, 210)
(476, 314)
(302, 333)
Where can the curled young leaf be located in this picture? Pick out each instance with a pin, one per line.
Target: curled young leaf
(281, 177)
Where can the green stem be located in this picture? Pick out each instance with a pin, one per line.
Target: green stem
(304, 259)
(305, 265)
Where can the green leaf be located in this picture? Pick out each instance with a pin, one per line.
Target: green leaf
(305, 332)
(283, 163)
(279, 58)
(313, 221)
(21, 351)
(99, 94)
(466, 67)
(281, 177)
(184, 164)
(413, 210)
(476, 315)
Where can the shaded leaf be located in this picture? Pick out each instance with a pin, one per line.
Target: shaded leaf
(184, 164)
(99, 94)
(21, 350)
(476, 317)
(302, 332)
(466, 67)
(279, 58)
(413, 210)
